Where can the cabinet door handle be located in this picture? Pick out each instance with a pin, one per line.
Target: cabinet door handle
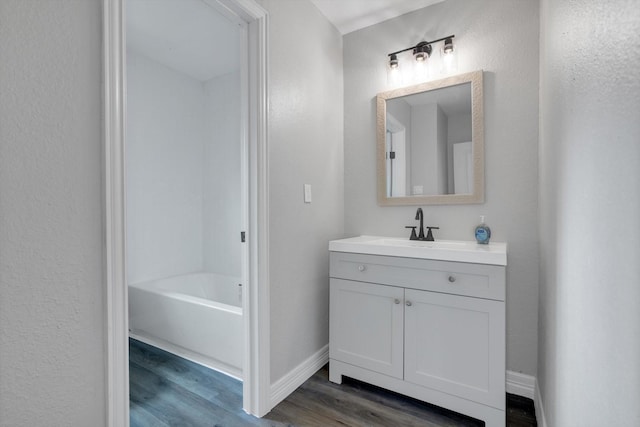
(396, 301)
(452, 278)
(362, 267)
(408, 303)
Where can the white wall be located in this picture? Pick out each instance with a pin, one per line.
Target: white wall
(166, 131)
(441, 151)
(52, 340)
(424, 147)
(589, 350)
(458, 130)
(401, 111)
(500, 37)
(305, 147)
(222, 176)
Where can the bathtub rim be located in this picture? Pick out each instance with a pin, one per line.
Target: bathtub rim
(145, 287)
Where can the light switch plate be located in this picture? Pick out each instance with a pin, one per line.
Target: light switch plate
(307, 193)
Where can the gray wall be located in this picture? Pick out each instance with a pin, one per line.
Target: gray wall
(51, 300)
(305, 147)
(589, 349)
(500, 37)
(52, 341)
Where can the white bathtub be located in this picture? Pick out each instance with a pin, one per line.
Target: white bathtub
(197, 316)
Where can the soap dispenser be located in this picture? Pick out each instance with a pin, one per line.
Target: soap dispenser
(483, 232)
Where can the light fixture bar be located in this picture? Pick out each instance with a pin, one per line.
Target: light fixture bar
(422, 44)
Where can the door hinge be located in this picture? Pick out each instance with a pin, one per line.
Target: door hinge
(392, 155)
(242, 236)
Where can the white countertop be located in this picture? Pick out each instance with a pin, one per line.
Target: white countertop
(495, 253)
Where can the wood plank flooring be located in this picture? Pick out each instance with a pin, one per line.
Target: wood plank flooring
(166, 390)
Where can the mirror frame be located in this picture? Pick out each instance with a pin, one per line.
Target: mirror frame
(477, 142)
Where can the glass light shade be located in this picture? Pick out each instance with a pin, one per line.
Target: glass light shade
(449, 60)
(393, 61)
(448, 46)
(419, 71)
(394, 73)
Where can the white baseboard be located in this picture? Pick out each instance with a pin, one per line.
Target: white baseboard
(521, 384)
(294, 379)
(527, 386)
(540, 417)
(192, 356)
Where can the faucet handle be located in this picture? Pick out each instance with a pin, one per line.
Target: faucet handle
(430, 234)
(413, 232)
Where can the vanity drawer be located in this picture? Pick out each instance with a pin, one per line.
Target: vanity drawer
(458, 278)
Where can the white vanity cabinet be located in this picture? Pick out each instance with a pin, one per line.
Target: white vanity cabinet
(430, 329)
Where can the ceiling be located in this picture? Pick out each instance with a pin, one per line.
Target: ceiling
(193, 37)
(189, 36)
(352, 15)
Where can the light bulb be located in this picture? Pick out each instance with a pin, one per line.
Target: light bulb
(449, 59)
(422, 51)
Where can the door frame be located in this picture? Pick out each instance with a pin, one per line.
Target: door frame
(256, 365)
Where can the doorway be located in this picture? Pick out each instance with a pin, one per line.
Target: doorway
(252, 20)
(186, 203)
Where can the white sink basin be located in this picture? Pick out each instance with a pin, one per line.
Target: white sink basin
(494, 253)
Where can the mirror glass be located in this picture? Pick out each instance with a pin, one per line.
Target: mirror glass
(430, 143)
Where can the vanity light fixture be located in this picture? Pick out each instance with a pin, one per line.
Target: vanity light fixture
(422, 51)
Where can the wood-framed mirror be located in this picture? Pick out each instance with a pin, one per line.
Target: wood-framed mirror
(430, 143)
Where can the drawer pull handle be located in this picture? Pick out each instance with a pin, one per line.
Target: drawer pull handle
(452, 279)
(362, 267)
(396, 301)
(408, 303)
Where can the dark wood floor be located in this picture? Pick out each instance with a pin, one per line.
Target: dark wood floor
(167, 390)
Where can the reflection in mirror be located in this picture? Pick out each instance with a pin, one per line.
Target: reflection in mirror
(428, 139)
(430, 143)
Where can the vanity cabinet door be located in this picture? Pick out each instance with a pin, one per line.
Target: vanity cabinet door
(455, 344)
(366, 326)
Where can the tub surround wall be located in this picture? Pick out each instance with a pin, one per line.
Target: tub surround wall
(500, 37)
(165, 178)
(222, 173)
(52, 325)
(589, 329)
(305, 147)
(183, 172)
